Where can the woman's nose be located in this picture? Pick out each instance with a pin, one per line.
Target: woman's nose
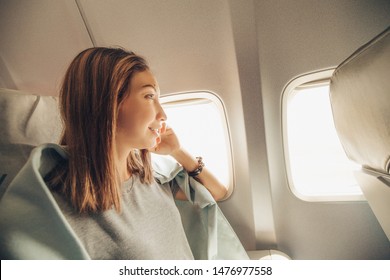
(161, 113)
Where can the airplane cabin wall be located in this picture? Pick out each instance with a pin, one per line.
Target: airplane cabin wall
(294, 38)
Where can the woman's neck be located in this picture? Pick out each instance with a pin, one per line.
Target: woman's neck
(121, 164)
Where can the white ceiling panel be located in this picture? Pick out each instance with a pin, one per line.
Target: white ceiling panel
(188, 43)
(38, 40)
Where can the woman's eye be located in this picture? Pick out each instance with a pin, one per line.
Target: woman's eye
(149, 96)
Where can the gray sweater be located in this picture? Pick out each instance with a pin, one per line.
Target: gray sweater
(148, 227)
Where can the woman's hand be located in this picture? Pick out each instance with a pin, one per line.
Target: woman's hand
(167, 142)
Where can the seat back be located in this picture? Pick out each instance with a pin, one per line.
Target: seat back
(360, 98)
(26, 120)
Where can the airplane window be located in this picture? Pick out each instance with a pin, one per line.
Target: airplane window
(318, 168)
(200, 121)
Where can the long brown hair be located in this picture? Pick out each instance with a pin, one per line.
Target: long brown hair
(95, 84)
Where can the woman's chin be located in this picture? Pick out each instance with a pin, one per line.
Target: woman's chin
(151, 146)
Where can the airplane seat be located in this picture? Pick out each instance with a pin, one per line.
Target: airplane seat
(27, 120)
(360, 99)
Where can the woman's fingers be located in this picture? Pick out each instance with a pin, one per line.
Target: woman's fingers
(163, 128)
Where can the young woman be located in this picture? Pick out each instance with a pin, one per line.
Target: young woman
(112, 121)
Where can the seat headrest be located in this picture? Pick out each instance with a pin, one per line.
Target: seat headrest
(28, 119)
(360, 98)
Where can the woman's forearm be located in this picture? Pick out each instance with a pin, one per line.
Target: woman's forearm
(205, 177)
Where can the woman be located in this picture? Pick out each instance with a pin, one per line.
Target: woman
(112, 121)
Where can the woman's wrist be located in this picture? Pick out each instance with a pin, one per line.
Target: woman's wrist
(184, 158)
(196, 172)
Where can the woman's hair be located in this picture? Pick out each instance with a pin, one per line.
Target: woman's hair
(95, 84)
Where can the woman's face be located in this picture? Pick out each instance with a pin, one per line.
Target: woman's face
(140, 114)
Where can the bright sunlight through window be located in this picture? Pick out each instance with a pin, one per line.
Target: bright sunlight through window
(200, 122)
(318, 167)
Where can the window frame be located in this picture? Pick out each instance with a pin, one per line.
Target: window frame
(307, 80)
(196, 97)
